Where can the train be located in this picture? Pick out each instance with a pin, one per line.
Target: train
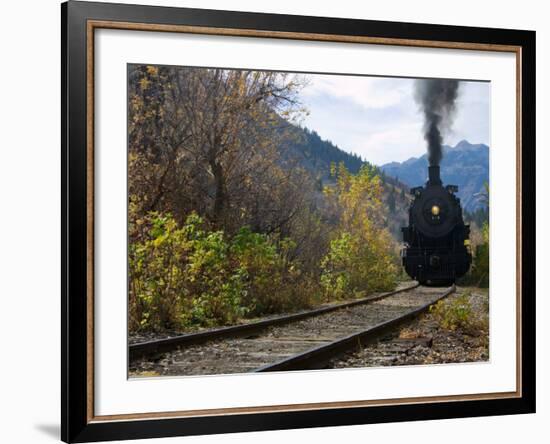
(436, 243)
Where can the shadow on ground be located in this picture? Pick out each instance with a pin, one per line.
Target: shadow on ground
(51, 430)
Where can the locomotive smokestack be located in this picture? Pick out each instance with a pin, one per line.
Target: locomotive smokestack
(434, 177)
(436, 98)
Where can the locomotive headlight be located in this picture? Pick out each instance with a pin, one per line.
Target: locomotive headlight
(435, 210)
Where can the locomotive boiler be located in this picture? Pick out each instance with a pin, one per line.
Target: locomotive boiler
(436, 242)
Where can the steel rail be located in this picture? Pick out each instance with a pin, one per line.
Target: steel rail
(158, 346)
(317, 357)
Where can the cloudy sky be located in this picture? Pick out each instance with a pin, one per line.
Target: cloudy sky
(378, 119)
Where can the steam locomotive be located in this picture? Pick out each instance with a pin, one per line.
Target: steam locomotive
(436, 241)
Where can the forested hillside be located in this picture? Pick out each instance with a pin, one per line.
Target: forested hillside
(316, 155)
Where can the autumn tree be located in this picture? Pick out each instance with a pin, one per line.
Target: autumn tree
(360, 258)
(209, 140)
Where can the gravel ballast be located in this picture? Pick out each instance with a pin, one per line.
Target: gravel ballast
(425, 341)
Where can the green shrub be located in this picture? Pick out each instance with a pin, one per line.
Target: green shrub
(269, 274)
(190, 276)
(181, 276)
(356, 264)
(480, 268)
(156, 264)
(454, 314)
(215, 287)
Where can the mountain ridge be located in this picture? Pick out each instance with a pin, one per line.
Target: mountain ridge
(465, 165)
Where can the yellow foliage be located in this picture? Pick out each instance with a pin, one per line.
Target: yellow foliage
(361, 255)
(152, 70)
(144, 83)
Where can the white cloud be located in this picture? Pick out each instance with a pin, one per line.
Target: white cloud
(369, 92)
(473, 118)
(378, 118)
(392, 144)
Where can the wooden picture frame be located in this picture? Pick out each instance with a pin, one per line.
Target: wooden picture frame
(79, 22)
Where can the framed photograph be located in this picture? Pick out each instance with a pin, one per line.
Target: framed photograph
(275, 221)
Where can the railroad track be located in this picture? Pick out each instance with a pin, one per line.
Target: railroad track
(305, 340)
(157, 346)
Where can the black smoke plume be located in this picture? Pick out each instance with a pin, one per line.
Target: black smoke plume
(436, 98)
